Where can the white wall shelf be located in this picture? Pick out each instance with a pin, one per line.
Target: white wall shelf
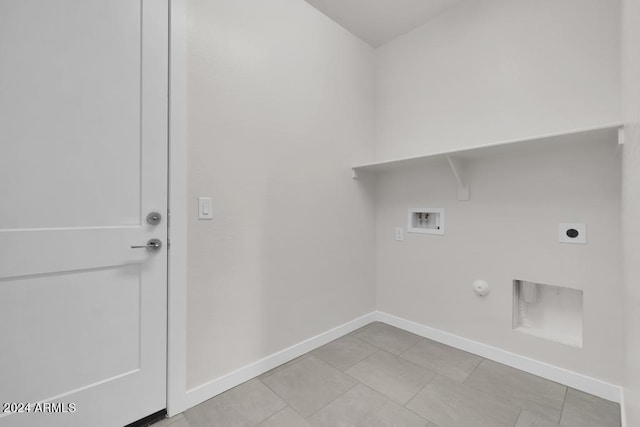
(457, 158)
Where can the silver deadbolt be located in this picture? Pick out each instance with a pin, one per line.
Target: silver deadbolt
(153, 245)
(154, 218)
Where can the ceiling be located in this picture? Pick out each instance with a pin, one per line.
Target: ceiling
(378, 21)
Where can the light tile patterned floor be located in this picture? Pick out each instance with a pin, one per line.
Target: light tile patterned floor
(383, 376)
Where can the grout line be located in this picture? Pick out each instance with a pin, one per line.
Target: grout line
(321, 408)
(412, 346)
(564, 400)
(262, 377)
(277, 412)
(518, 417)
(400, 405)
(421, 389)
(372, 354)
(474, 369)
(334, 367)
(361, 340)
(292, 362)
(350, 366)
(425, 386)
(329, 403)
(366, 385)
(393, 327)
(368, 355)
(282, 398)
(362, 329)
(372, 344)
(422, 368)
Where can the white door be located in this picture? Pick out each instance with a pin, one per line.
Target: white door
(83, 160)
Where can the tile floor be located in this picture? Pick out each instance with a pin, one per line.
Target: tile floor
(383, 376)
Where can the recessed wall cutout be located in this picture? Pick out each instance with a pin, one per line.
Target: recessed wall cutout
(550, 312)
(426, 220)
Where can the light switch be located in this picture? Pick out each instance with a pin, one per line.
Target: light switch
(204, 208)
(399, 234)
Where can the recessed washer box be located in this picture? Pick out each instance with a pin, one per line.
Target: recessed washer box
(425, 220)
(550, 312)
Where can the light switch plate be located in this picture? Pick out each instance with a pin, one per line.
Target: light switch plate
(205, 208)
(399, 234)
(572, 232)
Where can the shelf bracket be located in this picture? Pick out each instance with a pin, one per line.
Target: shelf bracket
(354, 173)
(463, 187)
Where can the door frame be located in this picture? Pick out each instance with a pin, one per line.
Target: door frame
(178, 207)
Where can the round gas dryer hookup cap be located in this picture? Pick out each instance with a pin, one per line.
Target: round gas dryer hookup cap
(480, 287)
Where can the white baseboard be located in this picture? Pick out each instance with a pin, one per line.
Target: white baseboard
(572, 379)
(208, 390)
(623, 410)
(560, 375)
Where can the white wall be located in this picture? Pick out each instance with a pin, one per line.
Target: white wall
(486, 71)
(498, 69)
(282, 101)
(631, 204)
(280, 104)
(509, 230)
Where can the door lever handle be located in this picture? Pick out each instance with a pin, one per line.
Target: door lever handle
(152, 245)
